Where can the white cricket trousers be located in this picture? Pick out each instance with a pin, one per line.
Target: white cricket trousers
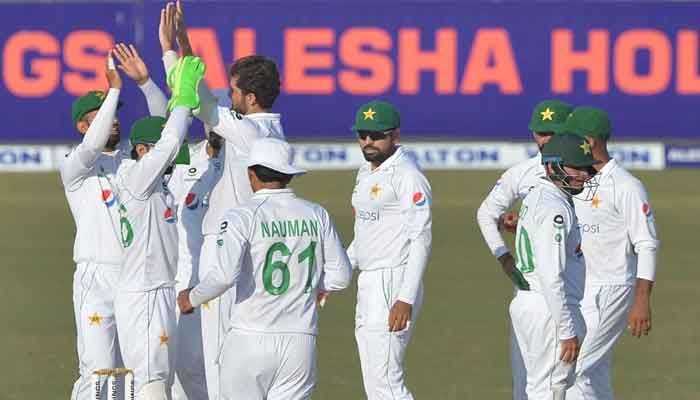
(267, 366)
(536, 334)
(148, 336)
(93, 304)
(215, 318)
(605, 310)
(190, 381)
(382, 352)
(517, 368)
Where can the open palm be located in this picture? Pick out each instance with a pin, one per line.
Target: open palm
(131, 63)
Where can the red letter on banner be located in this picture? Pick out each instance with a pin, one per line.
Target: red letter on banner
(45, 72)
(298, 60)
(566, 60)
(491, 61)
(687, 68)
(243, 42)
(626, 47)
(80, 60)
(355, 45)
(443, 61)
(205, 45)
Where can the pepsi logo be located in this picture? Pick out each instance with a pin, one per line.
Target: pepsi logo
(169, 216)
(191, 201)
(419, 198)
(108, 197)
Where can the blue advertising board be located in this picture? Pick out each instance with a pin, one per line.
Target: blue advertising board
(459, 70)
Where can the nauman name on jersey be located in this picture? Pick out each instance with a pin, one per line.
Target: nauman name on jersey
(289, 228)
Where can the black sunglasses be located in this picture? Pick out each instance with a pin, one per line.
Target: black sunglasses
(374, 135)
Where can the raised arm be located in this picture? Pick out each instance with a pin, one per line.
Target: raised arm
(142, 179)
(82, 159)
(133, 66)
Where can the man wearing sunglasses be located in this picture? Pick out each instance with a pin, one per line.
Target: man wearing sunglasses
(391, 246)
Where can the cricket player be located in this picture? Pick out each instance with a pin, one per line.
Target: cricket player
(254, 87)
(547, 118)
(619, 246)
(391, 246)
(86, 173)
(145, 299)
(190, 186)
(276, 248)
(545, 311)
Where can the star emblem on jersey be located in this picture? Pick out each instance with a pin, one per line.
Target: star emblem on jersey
(595, 203)
(375, 191)
(547, 114)
(586, 147)
(164, 339)
(369, 114)
(95, 319)
(100, 95)
(205, 305)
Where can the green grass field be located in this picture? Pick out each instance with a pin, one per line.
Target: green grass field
(460, 347)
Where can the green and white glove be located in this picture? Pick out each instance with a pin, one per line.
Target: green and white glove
(183, 80)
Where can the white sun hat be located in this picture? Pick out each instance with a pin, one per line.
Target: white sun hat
(275, 154)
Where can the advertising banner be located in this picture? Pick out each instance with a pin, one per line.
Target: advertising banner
(455, 69)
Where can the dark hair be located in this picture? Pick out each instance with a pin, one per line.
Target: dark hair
(270, 175)
(134, 154)
(257, 75)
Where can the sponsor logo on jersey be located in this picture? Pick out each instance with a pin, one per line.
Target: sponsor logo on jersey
(169, 216)
(646, 209)
(191, 201)
(578, 252)
(108, 197)
(367, 215)
(419, 199)
(589, 228)
(192, 171)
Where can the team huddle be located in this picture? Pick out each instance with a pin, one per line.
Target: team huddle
(201, 271)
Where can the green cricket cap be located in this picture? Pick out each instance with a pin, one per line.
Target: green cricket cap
(147, 130)
(90, 101)
(549, 116)
(589, 121)
(569, 149)
(376, 116)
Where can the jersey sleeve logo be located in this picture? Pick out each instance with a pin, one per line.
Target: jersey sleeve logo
(419, 199)
(646, 209)
(191, 201)
(169, 216)
(108, 197)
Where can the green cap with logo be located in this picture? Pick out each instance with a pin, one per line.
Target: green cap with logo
(147, 130)
(568, 149)
(589, 121)
(89, 102)
(549, 116)
(376, 116)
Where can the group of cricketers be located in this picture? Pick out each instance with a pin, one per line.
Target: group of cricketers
(585, 255)
(199, 269)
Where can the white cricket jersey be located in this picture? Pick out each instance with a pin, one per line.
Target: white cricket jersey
(190, 186)
(233, 188)
(618, 229)
(393, 220)
(86, 173)
(276, 249)
(512, 186)
(148, 211)
(548, 252)
(239, 132)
